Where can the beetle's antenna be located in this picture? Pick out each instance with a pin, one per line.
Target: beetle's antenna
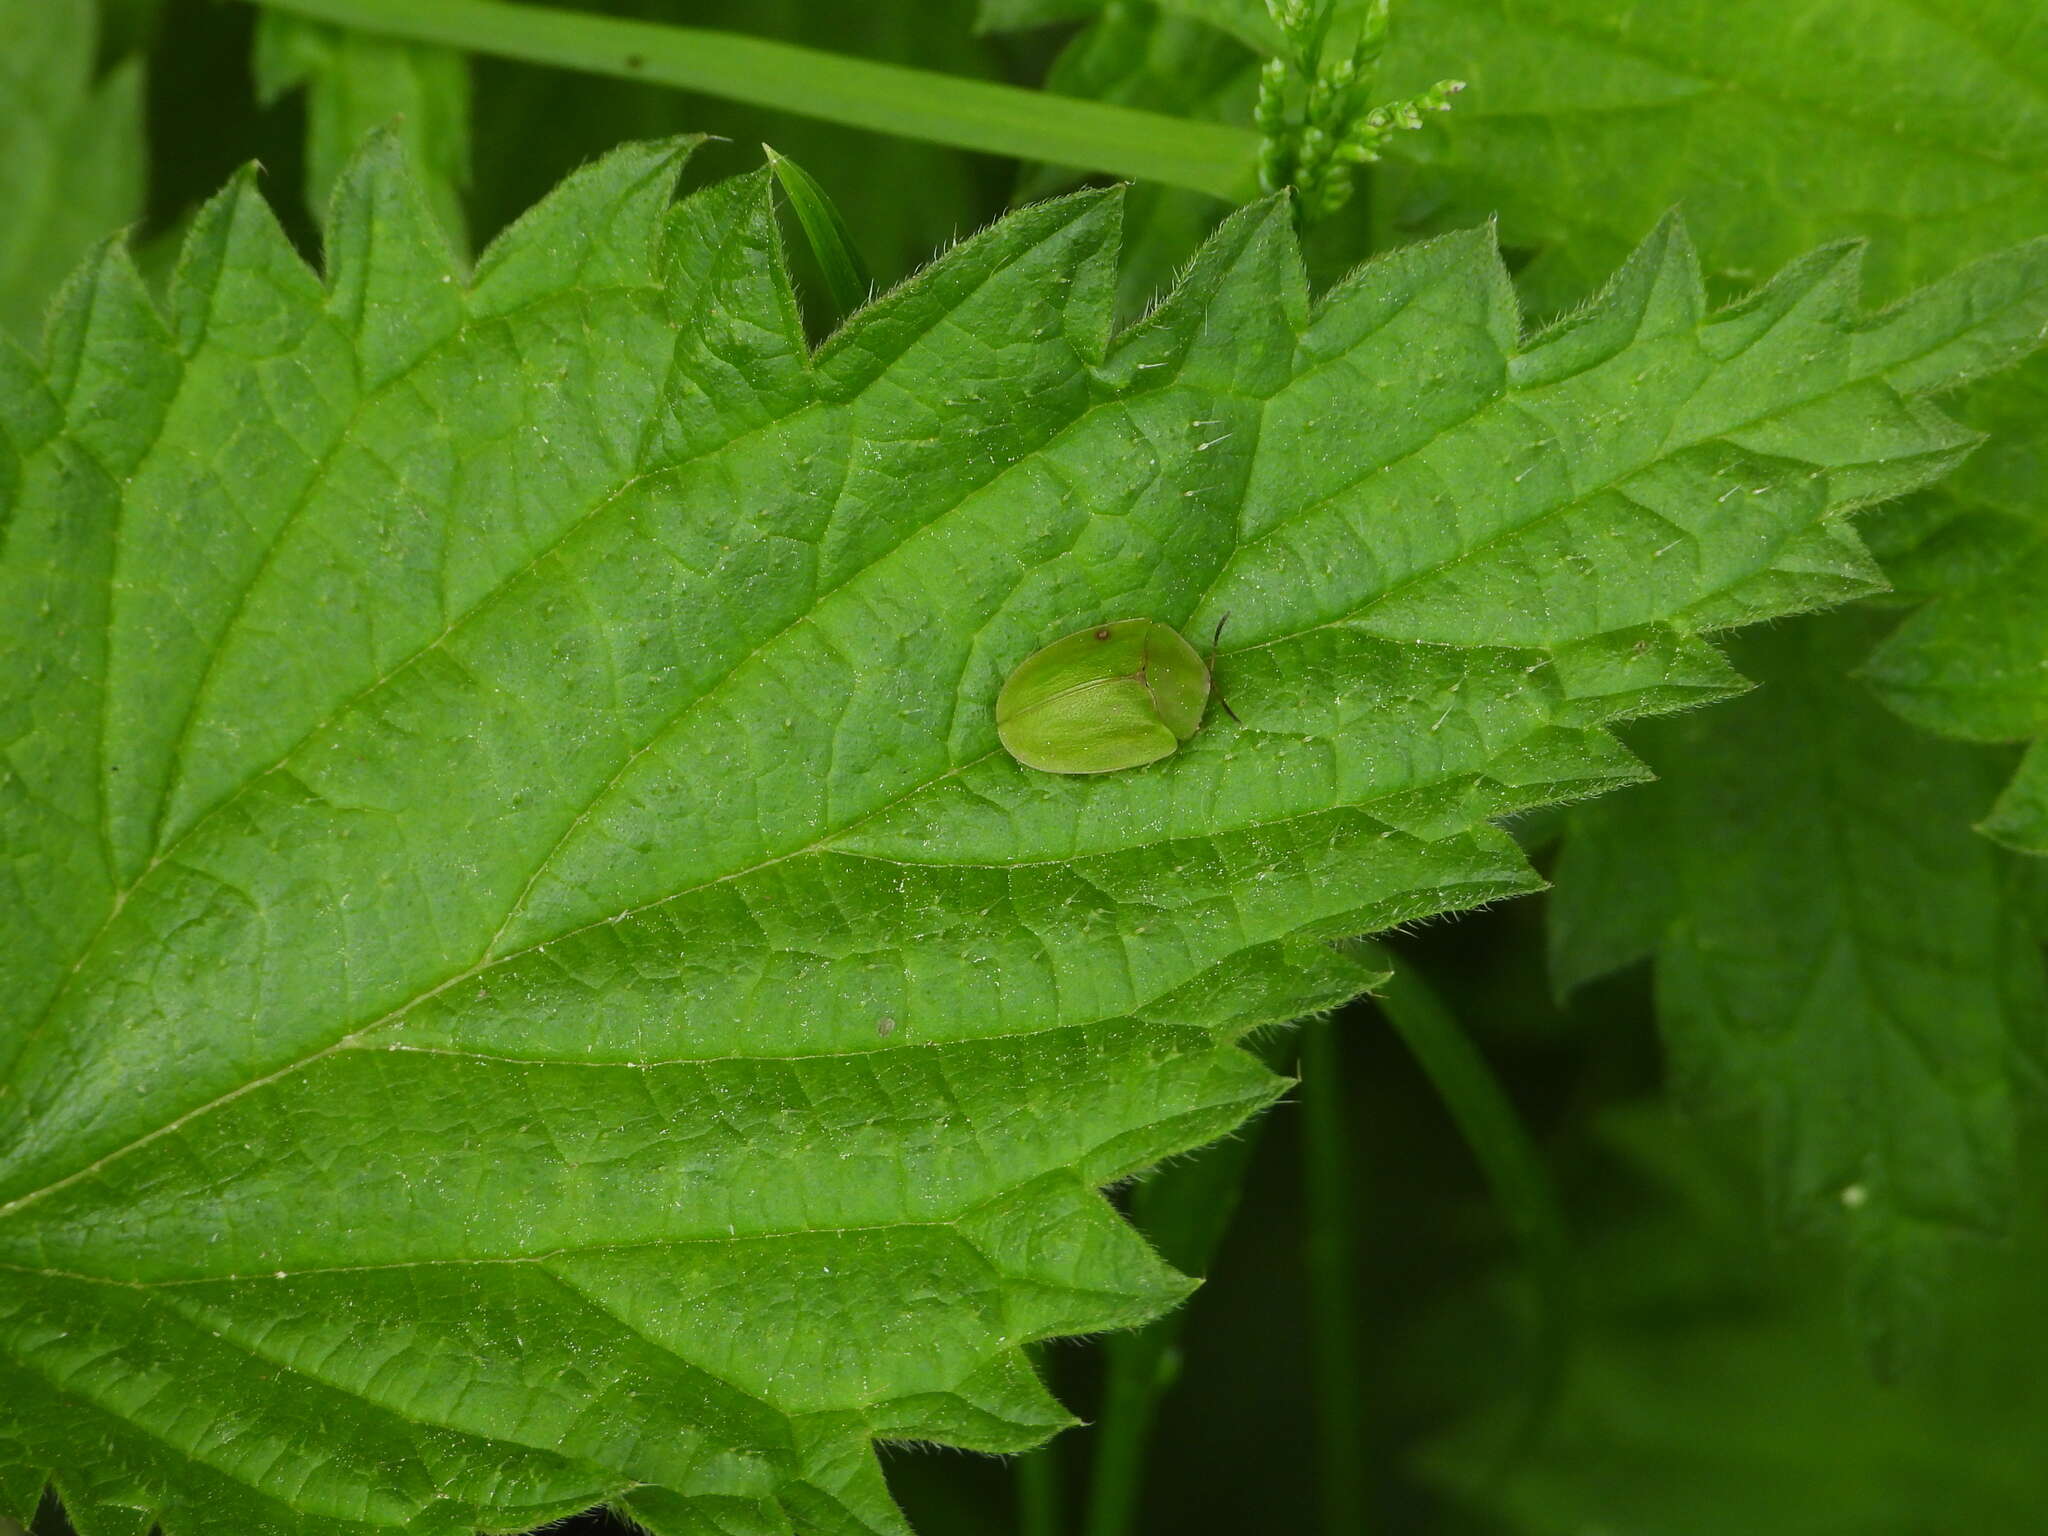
(1216, 640)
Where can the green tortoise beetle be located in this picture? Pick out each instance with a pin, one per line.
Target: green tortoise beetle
(1114, 696)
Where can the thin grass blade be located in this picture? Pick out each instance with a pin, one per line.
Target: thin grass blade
(824, 226)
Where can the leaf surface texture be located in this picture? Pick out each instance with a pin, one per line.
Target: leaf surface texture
(529, 979)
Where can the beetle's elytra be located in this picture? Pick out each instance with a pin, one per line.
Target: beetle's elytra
(1113, 696)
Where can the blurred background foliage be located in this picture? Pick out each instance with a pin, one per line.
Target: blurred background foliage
(1774, 1039)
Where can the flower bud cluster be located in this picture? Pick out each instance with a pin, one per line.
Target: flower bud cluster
(1313, 112)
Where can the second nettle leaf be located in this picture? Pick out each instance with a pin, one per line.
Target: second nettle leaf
(1715, 1391)
(1837, 955)
(357, 83)
(73, 166)
(1971, 661)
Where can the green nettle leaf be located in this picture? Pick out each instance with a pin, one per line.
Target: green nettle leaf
(530, 979)
(1837, 956)
(1923, 129)
(73, 162)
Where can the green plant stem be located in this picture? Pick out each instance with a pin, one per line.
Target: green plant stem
(1041, 1492)
(887, 98)
(1038, 1493)
(1487, 1120)
(1330, 1250)
(1136, 1369)
(1183, 1209)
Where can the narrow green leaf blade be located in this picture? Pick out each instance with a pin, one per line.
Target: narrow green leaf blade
(888, 98)
(831, 242)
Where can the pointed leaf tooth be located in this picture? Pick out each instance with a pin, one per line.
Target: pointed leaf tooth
(1657, 291)
(1002, 1408)
(1066, 248)
(1786, 342)
(1560, 763)
(1817, 290)
(600, 228)
(1267, 984)
(237, 272)
(2020, 817)
(1983, 318)
(1066, 1262)
(109, 360)
(390, 275)
(1230, 322)
(1231, 1086)
(741, 361)
(1814, 568)
(842, 1492)
(1647, 671)
(1461, 271)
